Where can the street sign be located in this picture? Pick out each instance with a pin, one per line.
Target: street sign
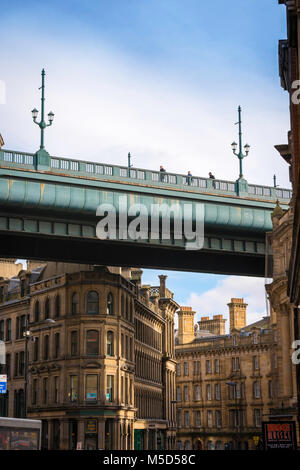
(279, 435)
(3, 382)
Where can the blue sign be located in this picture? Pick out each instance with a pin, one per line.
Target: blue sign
(3, 382)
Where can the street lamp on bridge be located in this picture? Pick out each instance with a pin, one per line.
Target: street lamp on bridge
(234, 145)
(42, 157)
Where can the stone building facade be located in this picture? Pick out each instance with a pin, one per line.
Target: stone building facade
(101, 366)
(225, 383)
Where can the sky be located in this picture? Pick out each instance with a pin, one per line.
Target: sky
(161, 79)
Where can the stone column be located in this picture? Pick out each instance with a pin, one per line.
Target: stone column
(64, 439)
(146, 439)
(80, 433)
(101, 434)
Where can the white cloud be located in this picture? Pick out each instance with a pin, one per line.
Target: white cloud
(107, 104)
(214, 301)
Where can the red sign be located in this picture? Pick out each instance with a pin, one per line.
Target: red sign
(279, 435)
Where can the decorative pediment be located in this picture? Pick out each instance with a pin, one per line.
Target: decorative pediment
(91, 365)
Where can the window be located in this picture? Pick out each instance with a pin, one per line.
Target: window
(74, 343)
(234, 418)
(187, 445)
(45, 389)
(57, 307)
(110, 343)
(36, 349)
(197, 392)
(110, 304)
(37, 312)
(73, 387)
(275, 336)
(218, 417)
(186, 419)
(2, 330)
(178, 393)
(208, 367)
(255, 338)
(270, 389)
(217, 392)
(178, 370)
(92, 343)
(92, 303)
(235, 363)
(130, 349)
(56, 345)
(209, 419)
(197, 419)
(56, 390)
(74, 304)
(109, 387)
(91, 387)
(1, 294)
(8, 365)
(179, 445)
(275, 361)
(257, 418)
(186, 368)
(256, 390)
(47, 309)
(8, 329)
(186, 393)
(255, 363)
(208, 391)
(16, 370)
(21, 363)
(197, 367)
(122, 389)
(179, 418)
(34, 391)
(46, 347)
(217, 366)
(234, 340)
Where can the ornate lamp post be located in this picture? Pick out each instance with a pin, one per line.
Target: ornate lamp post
(42, 156)
(129, 164)
(240, 154)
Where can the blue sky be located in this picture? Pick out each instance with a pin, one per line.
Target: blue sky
(159, 78)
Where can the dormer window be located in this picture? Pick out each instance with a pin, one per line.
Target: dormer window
(235, 340)
(255, 338)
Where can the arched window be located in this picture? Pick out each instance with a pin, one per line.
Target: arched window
(110, 343)
(92, 303)
(47, 308)
(110, 304)
(57, 307)
(92, 343)
(37, 312)
(74, 304)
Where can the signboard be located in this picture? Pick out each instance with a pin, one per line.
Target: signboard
(79, 446)
(3, 382)
(91, 426)
(279, 435)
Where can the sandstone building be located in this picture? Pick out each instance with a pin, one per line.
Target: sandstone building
(225, 383)
(101, 359)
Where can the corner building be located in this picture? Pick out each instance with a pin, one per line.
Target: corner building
(102, 371)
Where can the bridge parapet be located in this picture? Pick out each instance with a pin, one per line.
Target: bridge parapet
(140, 176)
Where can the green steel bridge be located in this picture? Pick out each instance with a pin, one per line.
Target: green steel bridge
(48, 212)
